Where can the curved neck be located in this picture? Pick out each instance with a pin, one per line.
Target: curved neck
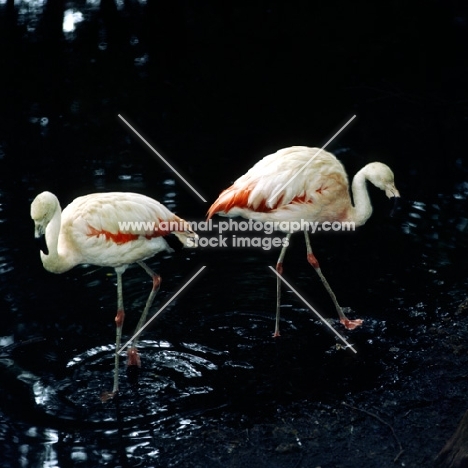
(54, 261)
(362, 206)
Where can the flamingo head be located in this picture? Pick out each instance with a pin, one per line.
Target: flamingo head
(382, 177)
(43, 209)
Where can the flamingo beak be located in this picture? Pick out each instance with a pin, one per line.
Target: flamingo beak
(394, 196)
(39, 234)
(391, 191)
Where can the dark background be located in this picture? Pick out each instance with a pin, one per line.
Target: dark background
(214, 87)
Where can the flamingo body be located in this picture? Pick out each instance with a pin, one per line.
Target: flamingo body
(302, 183)
(308, 196)
(88, 232)
(314, 187)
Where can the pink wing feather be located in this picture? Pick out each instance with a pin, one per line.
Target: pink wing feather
(306, 176)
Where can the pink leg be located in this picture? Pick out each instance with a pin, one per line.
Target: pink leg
(349, 324)
(119, 320)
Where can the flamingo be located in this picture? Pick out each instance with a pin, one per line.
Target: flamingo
(88, 232)
(302, 183)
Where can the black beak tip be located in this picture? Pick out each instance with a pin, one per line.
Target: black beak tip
(42, 244)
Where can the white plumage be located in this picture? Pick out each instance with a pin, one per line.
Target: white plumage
(91, 230)
(88, 230)
(261, 183)
(301, 183)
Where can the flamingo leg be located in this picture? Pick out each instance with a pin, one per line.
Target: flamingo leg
(133, 358)
(279, 269)
(349, 324)
(119, 319)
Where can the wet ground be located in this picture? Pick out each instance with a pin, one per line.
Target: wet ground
(214, 89)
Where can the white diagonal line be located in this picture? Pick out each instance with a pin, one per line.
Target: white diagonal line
(160, 156)
(348, 345)
(161, 309)
(311, 159)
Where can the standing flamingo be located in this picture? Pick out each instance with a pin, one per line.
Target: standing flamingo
(301, 183)
(88, 232)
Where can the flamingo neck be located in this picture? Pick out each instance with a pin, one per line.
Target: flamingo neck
(54, 261)
(362, 206)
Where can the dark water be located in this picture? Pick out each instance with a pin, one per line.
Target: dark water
(214, 88)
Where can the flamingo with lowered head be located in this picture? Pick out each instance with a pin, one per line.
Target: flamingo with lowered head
(302, 183)
(91, 230)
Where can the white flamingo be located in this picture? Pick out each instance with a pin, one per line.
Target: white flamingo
(88, 232)
(301, 183)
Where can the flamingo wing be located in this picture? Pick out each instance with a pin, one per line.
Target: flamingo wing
(115, 227)
(283, 181)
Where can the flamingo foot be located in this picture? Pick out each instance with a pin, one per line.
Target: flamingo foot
(351, 324)
(106, 396)
(133, 357)
(276, 334)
